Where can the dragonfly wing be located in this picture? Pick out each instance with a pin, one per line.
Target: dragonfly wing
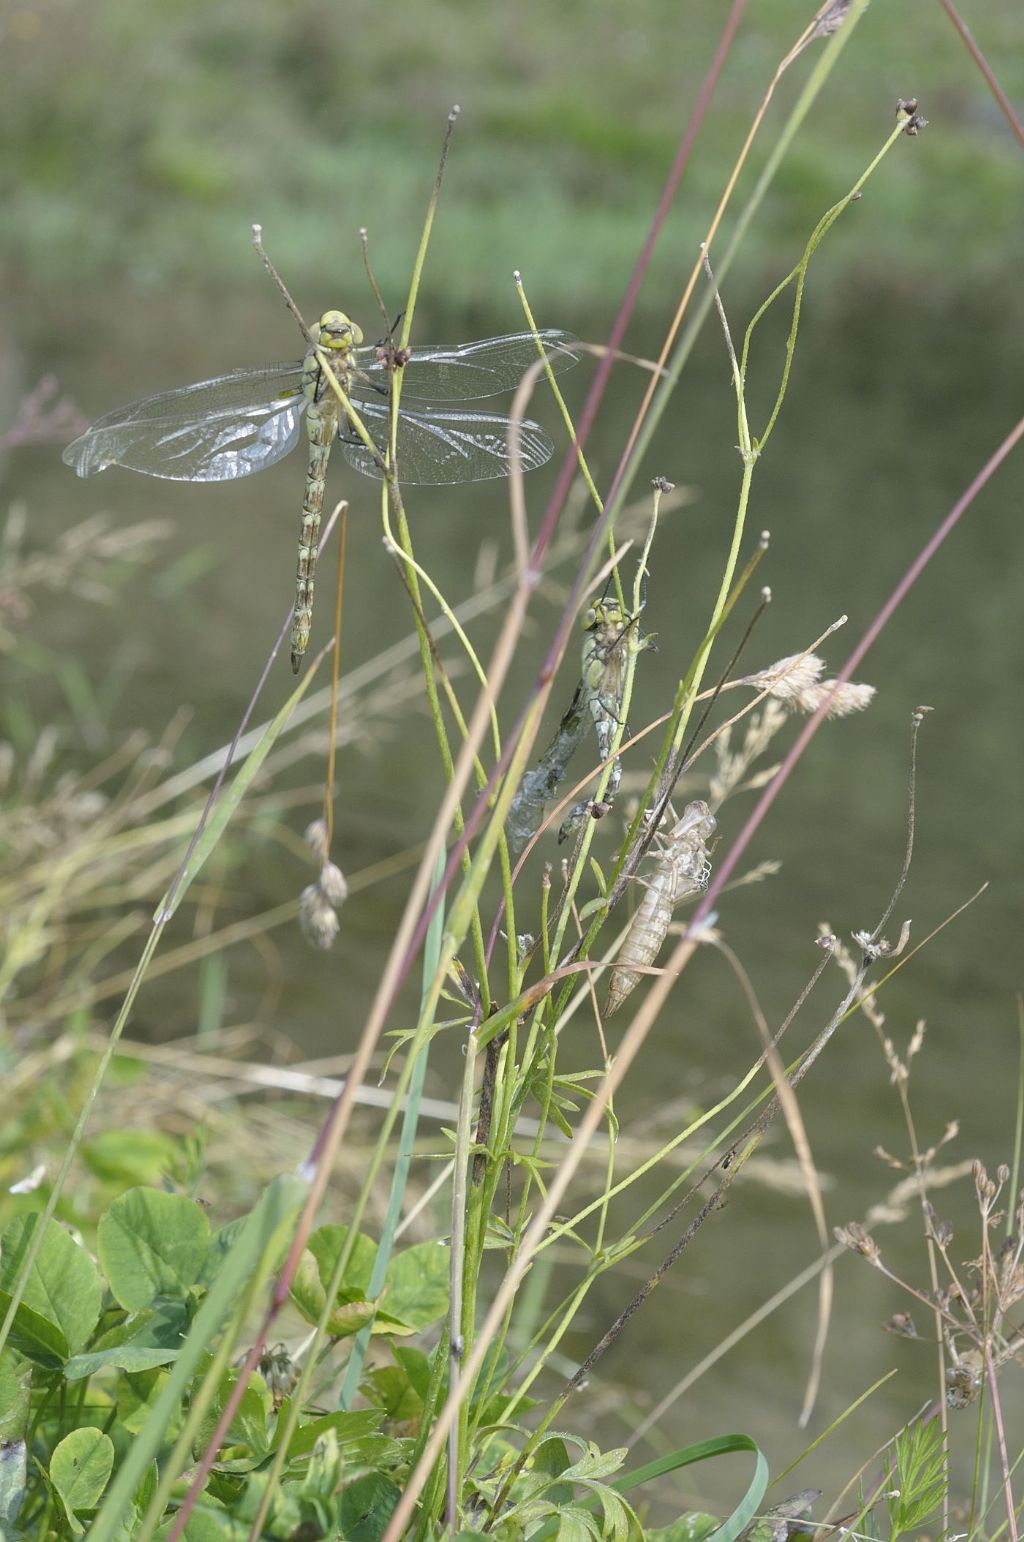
(213, 431)
(470, 371)
(437, 448)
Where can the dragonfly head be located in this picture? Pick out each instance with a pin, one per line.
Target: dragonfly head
(338, 332)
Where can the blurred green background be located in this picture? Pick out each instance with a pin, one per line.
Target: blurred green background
(141, 142)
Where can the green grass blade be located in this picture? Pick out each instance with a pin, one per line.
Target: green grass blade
(227, 803)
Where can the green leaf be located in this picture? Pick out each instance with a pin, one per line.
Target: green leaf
(919, 1478)
(552, 1457)
(352, 1308)
(147, 1488)
(326, 1244)
(207, 1523)
(619, 1520)
(416, 1284)
(247, 1434)
(131, 1156)
(221, 1243)
(694, 1527)
(366, 1506)
(162, 1326)
(349, 1428)
(152, 1244)
(391, 1390)
(595, 1464)
(351, 1311)
(62, 1293)
(13, 1468)
(416, 1366)
(576, 1525)
(129, 1357)
(15, 1397)
(36, 1337)
(80, 1468)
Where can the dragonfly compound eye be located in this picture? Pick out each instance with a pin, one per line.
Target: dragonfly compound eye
(337, 331)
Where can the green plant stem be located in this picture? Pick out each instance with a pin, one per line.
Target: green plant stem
(460, 1309)
(403, 1161)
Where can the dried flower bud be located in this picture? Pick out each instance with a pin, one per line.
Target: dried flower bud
(984, 1187)
(316, 840)
(1010, 1271)
(317, 918)
(907, 108)
(332, 884)
(831, 18)
(902, 1324)
(855, 1237)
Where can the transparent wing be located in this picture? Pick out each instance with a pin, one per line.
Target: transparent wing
(213, 431)
(467, 372)
(436, 448)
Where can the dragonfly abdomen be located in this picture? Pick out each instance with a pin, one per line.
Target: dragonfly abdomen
(322, 426)
(683, 869)
(337, 335)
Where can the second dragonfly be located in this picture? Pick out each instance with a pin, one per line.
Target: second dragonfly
(228, 427)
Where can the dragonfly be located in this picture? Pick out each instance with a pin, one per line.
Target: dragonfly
(233, 425)
(682, 869)
(597, 699)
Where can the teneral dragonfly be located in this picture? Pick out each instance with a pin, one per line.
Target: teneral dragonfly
(682, 869)
(608, 634)
(228, 427)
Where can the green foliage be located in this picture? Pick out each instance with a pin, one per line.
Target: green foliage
(919, 1477)
(60, 1302)
(415, 1285)
(80, 1469)
(180, 126)
(155, 1251)
(341, 1473)
(152, 1245)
